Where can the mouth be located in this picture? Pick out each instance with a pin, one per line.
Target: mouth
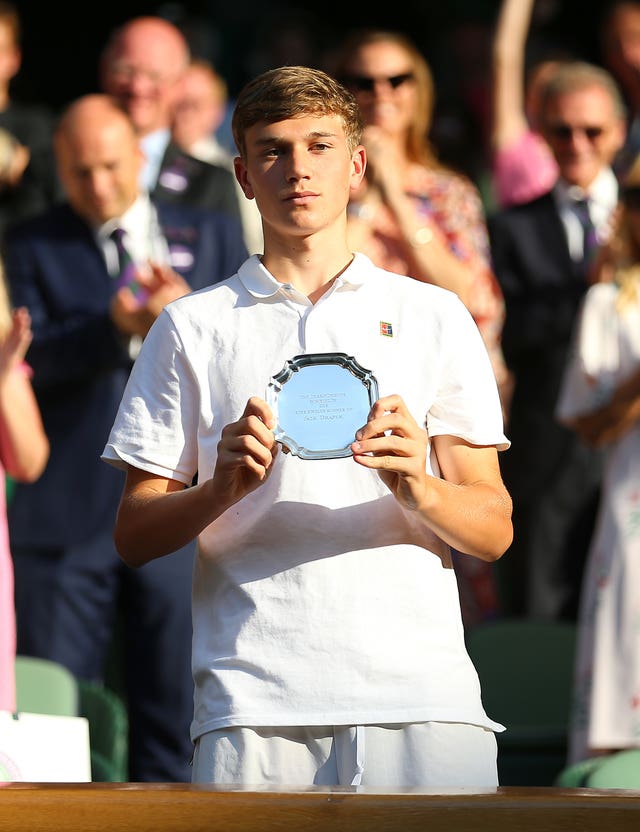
(300, 197)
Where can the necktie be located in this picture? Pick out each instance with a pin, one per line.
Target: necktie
(590, 242)
(126, 267)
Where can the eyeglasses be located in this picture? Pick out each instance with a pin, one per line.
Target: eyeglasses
(126, 72)
(364, 83)
(564, 132)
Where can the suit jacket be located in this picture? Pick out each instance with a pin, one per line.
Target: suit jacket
(80, 362)
(543, 289)
(185, 180)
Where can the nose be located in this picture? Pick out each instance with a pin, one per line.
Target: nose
(297, 164)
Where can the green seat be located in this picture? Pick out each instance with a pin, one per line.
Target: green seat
(620, 770)
(108, 732)
(526, 673)
(575, 775)
(45, 687)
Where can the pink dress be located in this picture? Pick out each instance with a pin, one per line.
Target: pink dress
(7, 611)
(524, 170)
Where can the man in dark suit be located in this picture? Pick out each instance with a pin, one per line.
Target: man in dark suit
(142, 66)
(64, 266)
(541, 256)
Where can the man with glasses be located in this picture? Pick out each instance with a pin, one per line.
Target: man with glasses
(542, 253)
(142, 67)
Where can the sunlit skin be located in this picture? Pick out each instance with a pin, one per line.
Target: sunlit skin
(10, 59)
(621, 49)
(143, 70)
(386, 112)
(580, 158)
(200, 107)
(99, 160)
(300, 173)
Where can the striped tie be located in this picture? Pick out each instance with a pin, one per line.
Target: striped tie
(126, 267)
(590, 243)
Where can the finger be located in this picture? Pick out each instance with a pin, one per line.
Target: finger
(259, 408)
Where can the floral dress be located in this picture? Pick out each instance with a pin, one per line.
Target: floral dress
(606, 710)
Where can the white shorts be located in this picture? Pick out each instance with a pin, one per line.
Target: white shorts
(428, 754)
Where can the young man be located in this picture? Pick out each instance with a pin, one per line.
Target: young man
(326, 614)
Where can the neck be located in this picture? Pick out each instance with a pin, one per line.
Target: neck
(309, 264)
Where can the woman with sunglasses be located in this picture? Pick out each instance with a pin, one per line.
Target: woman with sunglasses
(600, 400)
(414, 216)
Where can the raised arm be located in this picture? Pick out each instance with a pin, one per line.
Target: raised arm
(509, 114)
(24, 447)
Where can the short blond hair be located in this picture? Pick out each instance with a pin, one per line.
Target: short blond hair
(291, 91)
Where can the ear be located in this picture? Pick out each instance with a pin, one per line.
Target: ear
(243, 177)
(358, 167)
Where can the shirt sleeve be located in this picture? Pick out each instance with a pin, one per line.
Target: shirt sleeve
(467, 403)
(156, 426)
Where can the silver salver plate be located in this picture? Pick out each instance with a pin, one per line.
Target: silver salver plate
(319, 401)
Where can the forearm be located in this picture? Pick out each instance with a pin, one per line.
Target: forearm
(428, 253)
(474, 519)
(158, 517)
(24, 447)
(614, 419)
(508, 71)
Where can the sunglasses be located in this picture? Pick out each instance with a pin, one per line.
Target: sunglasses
(564, 132)
(363, 83)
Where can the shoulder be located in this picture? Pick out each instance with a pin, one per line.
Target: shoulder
(57, 223)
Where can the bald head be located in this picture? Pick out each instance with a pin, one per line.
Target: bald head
(142, 66)
(98, 157)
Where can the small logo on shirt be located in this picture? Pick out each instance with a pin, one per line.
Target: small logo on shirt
(386, 329)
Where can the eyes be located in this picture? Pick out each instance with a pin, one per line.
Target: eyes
(277, 151)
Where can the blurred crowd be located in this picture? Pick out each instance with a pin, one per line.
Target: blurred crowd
(513, 182)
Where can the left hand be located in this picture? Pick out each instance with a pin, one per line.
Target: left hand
(396, 446)
(17, 341)
(159, 285)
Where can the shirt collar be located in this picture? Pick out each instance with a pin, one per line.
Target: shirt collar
(260, 283)
(603, 190)
(154, 146)
(139, 215)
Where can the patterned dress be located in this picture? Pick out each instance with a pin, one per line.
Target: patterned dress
(606, 711)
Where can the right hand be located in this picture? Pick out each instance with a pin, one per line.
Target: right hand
(246, 452)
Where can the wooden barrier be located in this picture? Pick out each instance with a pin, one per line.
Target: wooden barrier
(133, 807)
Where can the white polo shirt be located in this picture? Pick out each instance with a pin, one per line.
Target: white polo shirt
(317, 599)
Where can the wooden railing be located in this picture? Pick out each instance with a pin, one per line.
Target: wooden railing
(132, 807)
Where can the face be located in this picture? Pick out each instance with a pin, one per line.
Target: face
(143, 73)
(99, 164)
(380, 77)
(199, 109)
(621, 47)
(584, 132)
(9, 55)
(300, 172)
